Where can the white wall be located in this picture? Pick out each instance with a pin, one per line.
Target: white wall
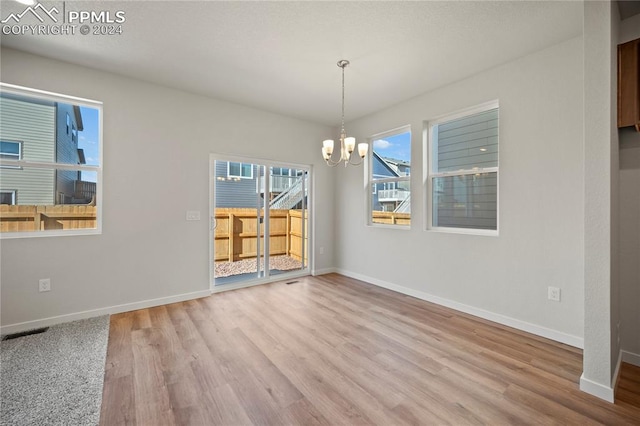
(630, 224)
(601, 189)
(541, 202)
(630, 244)
(157, 143)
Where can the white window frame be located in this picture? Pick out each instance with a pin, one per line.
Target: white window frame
(13, 195)
(430, 161)
(232, 176)
(19, 154)
(56, 97)
(371, 181)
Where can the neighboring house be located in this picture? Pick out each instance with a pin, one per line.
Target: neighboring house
(241, 185)
(40, 131)
(68, 124)
(388, 196)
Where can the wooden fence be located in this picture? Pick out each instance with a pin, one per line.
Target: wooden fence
(236, 231)
(391, 218)
(43, 218)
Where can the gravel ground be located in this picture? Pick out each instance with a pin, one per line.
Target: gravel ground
(247, 266)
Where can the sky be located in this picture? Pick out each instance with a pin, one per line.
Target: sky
(88, 140)
(396, 146)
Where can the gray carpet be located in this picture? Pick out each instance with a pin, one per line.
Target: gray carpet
(54, 378)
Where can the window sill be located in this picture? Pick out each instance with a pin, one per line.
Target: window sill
(53, 233)
(465, 231)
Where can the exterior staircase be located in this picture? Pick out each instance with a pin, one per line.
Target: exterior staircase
(288, 199)
(404, 206)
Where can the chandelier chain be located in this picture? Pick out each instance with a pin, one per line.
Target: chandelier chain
(342, 129)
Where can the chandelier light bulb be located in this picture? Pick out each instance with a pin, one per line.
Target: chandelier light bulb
(362, 149)
(328, 146)
(350, 144)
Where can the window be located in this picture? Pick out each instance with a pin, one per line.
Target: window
(58, 193)
(8, 197)
(463, 173)
(239, 170)
(389, 178)
(282, 171)
(10, 150)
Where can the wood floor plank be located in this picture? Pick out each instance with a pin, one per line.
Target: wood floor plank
(152, 404)
(332, 350)
(118, 402)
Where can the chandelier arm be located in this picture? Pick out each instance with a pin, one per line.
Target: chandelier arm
(355, 164)
(333, 163)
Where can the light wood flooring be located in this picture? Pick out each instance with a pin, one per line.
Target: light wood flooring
(333, 350)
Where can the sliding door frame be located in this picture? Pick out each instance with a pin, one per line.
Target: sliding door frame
(265, 165)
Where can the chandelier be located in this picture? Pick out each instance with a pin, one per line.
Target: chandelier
(347, 144)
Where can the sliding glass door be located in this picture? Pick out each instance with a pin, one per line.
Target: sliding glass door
(258, 207)
(287, 206)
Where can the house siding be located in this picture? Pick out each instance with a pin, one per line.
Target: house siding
(34, 126)
(235, 193)
(66, 152)
(470, 201)
(380, 171)
(459, 142)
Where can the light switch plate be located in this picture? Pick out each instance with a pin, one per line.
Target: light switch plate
(193, 215)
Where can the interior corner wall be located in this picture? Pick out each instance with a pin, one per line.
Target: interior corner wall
(157, 142)
(629, 244)
(541, 202)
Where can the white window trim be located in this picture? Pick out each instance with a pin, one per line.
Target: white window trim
(229, 175)
(19, 154)
(429, 162)
(369, 180)
(13, 195)
(56, 97)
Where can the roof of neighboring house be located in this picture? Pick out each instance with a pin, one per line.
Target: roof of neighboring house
(393, 170)
(392, 164)
(396, 162)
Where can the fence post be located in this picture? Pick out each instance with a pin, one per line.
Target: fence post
(288, 231)
(37, 217)
(231, 235)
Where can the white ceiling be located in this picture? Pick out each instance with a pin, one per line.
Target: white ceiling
(281, 56)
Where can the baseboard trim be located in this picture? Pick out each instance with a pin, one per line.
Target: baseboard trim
(45, 322)
(548, 333)
(630, 358)
(596, 389)
(616, 375)
(317, 272)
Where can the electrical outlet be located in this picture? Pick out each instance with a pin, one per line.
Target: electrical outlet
(553, 293)
(193, 215)
(44, 285)
(321, 250)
